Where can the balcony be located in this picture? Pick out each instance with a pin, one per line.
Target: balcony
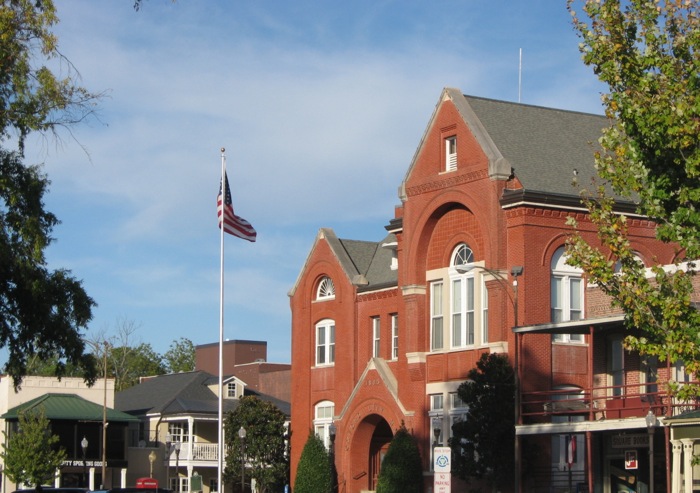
(598, 403)
(198, 452)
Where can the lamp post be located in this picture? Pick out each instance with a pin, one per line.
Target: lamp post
(84, 445)
(177, 467)
(516, 271)
(152, 459)
(168, 450)
(651, 422)
(241, 435)
(334, 475)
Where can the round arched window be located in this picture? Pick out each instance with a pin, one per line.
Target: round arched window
(462, 255)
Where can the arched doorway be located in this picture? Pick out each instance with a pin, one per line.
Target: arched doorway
(379, 444)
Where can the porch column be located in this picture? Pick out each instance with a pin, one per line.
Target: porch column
(676, 464)
(122, 478)
(687, 464)
(56, 478)
(91, 482)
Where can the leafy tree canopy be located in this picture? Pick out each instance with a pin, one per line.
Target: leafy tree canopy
(314, 468)
(646, 52)
(30, 454)
(263, 448)
(482, 444)
(180, 356)
(402, 469)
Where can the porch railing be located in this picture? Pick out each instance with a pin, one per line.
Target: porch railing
(610, 402)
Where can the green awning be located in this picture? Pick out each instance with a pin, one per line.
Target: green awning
(68, 407)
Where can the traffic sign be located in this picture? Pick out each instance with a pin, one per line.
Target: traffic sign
(442, 459)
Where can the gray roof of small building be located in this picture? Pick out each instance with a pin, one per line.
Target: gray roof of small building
(180, 393)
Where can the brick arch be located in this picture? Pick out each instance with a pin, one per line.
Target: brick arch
(371, 434)
(557, 241)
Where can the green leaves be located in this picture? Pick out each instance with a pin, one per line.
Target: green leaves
(29, 453)
(647, 52)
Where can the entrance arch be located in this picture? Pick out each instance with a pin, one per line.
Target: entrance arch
(368, 446)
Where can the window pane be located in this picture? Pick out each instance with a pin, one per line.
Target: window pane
(437, 334)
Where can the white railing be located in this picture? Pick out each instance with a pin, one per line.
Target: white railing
(200, 451)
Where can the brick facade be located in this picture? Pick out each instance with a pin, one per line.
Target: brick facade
(439, 210)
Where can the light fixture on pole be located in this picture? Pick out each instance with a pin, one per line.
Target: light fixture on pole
(334, 477)
(168, 450)
(152, 459)
(84, 446)
(177, 467)
(241, 435)
(651, 423)
(437, 431)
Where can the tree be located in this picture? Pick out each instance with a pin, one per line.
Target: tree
(314, 468)
(29, 454)
(32, 97)
(129, 364)
(180, 356)
(647, 53)
(42, 312)
(482, 444)
(263, 451)
(402, 470)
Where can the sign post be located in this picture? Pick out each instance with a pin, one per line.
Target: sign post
(442, 466)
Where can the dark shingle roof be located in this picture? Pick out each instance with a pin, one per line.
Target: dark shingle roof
(68, 407)
(180, 393)
(542, 145)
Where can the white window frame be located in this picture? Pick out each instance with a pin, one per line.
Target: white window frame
(437, 320)
(451, 153)
(325, 289)
(323, 418)
(325, 342)
(376, 337)
(394, 336)
(231, 389)
(567, 290)
(179, 431)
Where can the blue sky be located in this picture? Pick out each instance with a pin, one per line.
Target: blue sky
(320, 106)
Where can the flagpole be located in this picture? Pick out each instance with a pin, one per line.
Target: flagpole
(220, 454)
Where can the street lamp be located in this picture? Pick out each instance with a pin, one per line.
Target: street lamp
(651, 422)
(84, 445)
(168, 450)
(152, 459)
(516, 271)
(241, 435)
(437, 430)
(177, 467)
(334, 475)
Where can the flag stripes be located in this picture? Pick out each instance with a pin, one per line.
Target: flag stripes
(233, 224)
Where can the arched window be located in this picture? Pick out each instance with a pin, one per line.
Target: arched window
(325, 342)
(325, 289)
(566, 294)
(323, 417)
(462, 255)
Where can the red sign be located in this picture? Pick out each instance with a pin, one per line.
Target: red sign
(631, 459)
(147, 483)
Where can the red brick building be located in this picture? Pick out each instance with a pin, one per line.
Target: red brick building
(383, 333)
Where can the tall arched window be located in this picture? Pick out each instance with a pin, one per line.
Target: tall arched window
(325, 342)
(567, 288)
(325, 289)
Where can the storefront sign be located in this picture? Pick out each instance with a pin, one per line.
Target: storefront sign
(631, 459)
(630, 441)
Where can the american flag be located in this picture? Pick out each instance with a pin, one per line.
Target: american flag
(233, 224)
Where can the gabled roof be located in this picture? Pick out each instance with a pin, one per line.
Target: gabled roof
(178, 394)
(367, 264)
(545, 149)
(68, 407)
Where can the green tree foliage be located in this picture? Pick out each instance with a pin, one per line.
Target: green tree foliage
(482, 444)
(263, 447)
(180, 356)
(402, 469)
(42, 312)
(127, 364)
(314, 468)
(32, 96)
(646, 52)
(30, 454)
